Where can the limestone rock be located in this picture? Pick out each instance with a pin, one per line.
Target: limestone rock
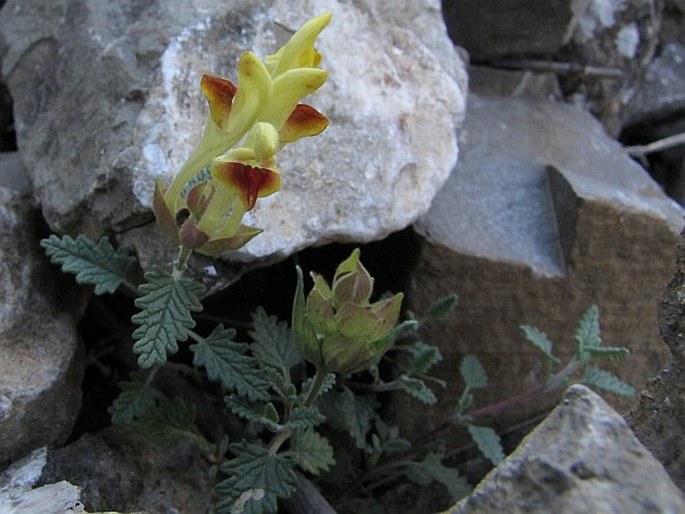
(114, 103)
(120, 469)
(659, 419)
(582, 458)
(40, 364)
(543, 216)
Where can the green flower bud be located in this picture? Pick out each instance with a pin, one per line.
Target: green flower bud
(336, 327)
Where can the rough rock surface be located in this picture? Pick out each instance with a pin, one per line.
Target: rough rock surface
(544, 216)
(117, 469)
(659, 419)
(582, 458)
(115, 103)
(40, 368)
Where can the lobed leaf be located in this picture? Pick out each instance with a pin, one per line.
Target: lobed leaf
(311, 451)
(488, 443)
(441, 309)
(606, 380)
(169, 422)
(424, 357)
(540, 341)
(349, 413)
(256, 479)
(431, 468)
(134, 400)
(607, 352)
(417, 388)
(273, 341)
(473, 373)
(165, 316)
(258, 412)
(588, 332)
(224, 360)
(303, 418)
(97, 264)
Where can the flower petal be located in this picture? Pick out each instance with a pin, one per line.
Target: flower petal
(303, 122)
(248, 182)
(219, 93)
(299, 50)
(287, 90)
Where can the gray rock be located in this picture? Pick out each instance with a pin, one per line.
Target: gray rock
(662, 94)
(500, 28)
(659, 420)
(620, 37)
(115, 103)
(544, 216)
(582, 458)
(40, 364)
(118, 469)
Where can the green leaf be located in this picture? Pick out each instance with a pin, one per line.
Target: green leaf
(252, 470)
(488, 443)
(165, 316)
(424, 357)
(473, 373)
(349, 413)
(606, 380)
(327, 385)
(250, 411)
(406, 327)
(273, 341)
(608, 352)
(225, 360)
(431, 468)
(417, 388)
(442, 308)
(540, 341)
(311, 451)
(588, 332)
(170, 422)
(303, 418)
(134, 400)
(96, 264)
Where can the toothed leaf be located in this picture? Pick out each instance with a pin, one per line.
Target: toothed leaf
(488, 443)
(424, 357)
(311, 451)
(134, 400)
(473, 373)
(255, 469)
(606, 380)
(417, 388)
(273, 341)
(431, 468)
(540, 341)
(97, 264)
(225, 360)
(441, 309)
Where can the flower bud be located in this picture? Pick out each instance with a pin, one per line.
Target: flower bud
(336, 327)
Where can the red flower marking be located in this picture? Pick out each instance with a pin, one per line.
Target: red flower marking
(304, 121)
(219, 93)
(247, 181)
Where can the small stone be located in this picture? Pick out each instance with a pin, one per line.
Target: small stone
(582, 458)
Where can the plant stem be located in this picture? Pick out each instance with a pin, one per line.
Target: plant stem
(279, 439)
(319, 377)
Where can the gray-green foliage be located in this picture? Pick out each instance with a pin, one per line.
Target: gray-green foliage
(588, 349)
(165, 315)
(97, 264)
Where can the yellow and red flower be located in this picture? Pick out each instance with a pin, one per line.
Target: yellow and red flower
(261, 115)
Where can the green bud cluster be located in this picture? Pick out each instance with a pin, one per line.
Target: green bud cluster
(336, 327)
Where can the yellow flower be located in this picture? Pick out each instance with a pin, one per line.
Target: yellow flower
(262, 113)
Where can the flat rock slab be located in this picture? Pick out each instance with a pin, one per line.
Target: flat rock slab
(582, 458)
(114, 103)
(543, 216)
